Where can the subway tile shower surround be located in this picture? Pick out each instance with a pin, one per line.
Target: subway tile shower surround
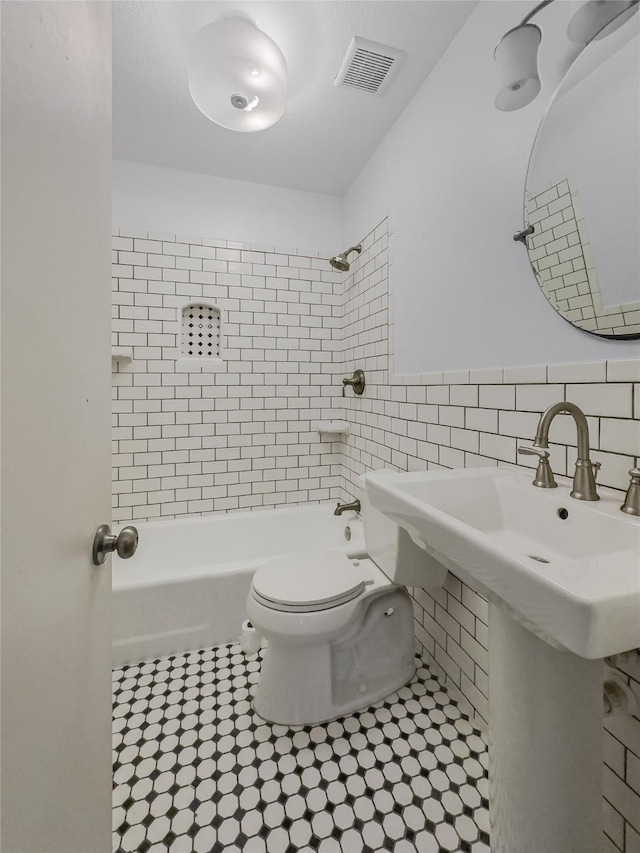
(189, 441)
(244, 436)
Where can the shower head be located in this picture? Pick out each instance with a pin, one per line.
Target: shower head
(340, 262)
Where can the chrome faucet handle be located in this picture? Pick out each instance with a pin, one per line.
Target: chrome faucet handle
(534, 451)
(544, 478)
(596, 466)
(631, 503)
(357, 382)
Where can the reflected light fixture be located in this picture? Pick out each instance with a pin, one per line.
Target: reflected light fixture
(517, 54)
(237, 75)
(517, 60)
(597, 18)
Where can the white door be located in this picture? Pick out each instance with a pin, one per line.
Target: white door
(55, 195)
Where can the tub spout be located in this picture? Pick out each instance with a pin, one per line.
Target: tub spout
(340, 508)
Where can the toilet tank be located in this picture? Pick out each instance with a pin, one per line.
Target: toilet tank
(392, 549)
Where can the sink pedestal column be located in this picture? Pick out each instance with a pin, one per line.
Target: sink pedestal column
(545, 744)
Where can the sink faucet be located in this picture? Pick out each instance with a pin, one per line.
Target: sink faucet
(340, 508)
(584, 481)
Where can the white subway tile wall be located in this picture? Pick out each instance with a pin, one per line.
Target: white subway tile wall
(479, 417)
(194, 436)
(193, 443)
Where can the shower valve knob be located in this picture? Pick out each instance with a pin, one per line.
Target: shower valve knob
(104, 542)
(356, 381)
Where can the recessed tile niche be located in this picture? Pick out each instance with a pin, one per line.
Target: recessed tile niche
(200, 336)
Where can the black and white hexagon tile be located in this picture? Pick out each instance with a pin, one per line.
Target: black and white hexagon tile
(197, 771)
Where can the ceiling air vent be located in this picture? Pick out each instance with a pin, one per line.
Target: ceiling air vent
(368, 66)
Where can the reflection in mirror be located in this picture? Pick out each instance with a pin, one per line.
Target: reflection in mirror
(583, 190)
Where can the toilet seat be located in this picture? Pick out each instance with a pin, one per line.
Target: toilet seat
(302, 583)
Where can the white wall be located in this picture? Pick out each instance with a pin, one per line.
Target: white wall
(451, 173)
(157, 199)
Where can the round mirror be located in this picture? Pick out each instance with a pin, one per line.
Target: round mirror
(582, 196)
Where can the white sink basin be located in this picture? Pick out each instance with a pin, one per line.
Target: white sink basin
(574, 582)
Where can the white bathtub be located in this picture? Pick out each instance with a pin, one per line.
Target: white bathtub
(187, 585)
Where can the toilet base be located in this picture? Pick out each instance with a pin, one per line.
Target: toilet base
(302, 683)
(268, 711)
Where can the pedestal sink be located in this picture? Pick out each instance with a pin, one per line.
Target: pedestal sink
(563, 581)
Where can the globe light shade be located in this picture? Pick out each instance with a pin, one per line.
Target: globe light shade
(598, 18)
(517, 63)
(237, 75)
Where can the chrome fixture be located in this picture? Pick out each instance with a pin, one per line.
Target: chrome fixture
(620, 696)
(584, 478)
(544, 478)
(517, 53)
(340, 262)
(521, 236)
(631, 503)
(104, 542)
(353, 506)
(356, 382)
(624, 659)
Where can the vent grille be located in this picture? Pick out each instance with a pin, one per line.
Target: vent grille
(367, 70)
(368, 66)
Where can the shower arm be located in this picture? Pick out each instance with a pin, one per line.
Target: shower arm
(535, 11)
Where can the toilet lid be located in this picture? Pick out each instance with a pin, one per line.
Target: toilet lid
(308, 581)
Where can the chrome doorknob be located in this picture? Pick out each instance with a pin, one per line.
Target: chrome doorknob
(104, 542)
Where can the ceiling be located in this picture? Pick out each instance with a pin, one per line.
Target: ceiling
(327, 133)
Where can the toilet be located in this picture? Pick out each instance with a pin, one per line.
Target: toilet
(339, 630)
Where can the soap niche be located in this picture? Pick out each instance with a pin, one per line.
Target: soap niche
(200, 337)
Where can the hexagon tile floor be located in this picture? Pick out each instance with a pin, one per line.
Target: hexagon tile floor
(197, 771)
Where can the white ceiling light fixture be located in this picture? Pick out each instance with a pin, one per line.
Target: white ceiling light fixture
(237, 76)
(517, 54)
(517, 60)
